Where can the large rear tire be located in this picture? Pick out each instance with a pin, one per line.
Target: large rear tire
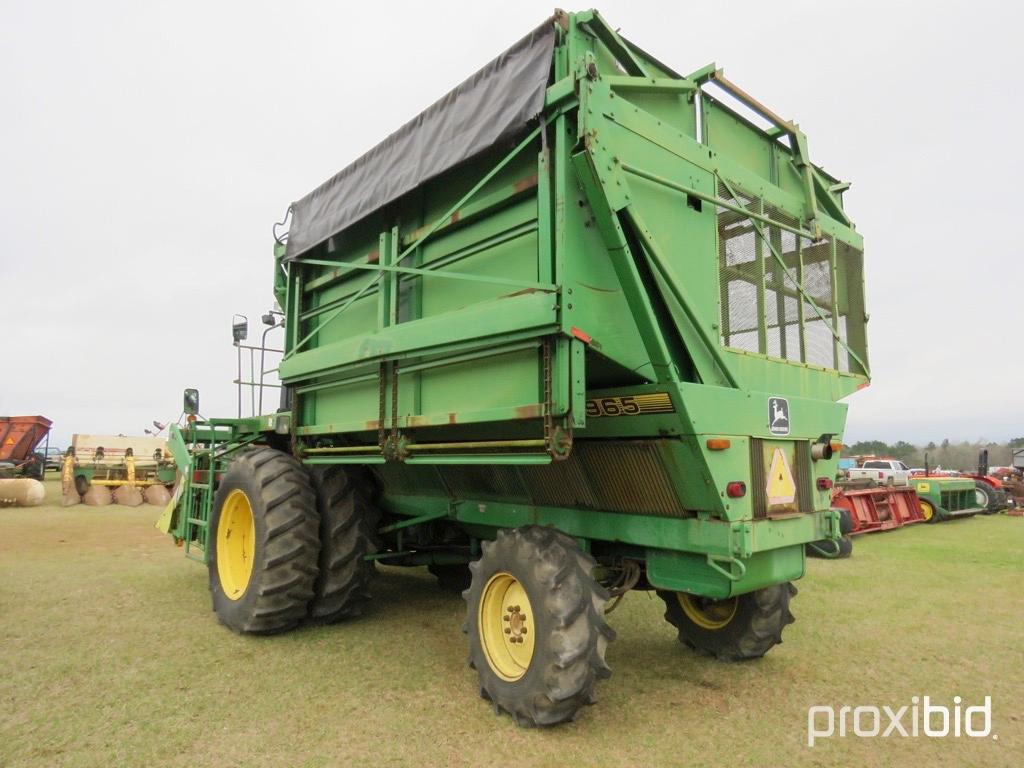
(987, 497)
(734, 629)
(348, 533)
(537, 634)
(263, 543)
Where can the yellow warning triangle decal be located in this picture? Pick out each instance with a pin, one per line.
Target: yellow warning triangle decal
(781, 487)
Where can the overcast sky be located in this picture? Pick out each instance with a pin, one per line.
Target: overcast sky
(146, 148)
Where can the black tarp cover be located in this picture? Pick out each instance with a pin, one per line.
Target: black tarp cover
(492, 105)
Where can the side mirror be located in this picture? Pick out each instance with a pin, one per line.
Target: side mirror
(191, 402)
(240, 328)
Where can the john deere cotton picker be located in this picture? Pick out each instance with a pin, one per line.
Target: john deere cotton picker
(580, 327)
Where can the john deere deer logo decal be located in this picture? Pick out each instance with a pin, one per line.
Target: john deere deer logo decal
(778, 415)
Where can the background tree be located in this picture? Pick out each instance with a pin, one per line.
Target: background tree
(962, 456)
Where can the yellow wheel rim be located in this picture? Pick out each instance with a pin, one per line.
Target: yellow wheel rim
(708, 614)
(236, 544)
(506, 625)
(926, 510)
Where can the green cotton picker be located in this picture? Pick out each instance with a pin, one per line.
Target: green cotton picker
(580, 327)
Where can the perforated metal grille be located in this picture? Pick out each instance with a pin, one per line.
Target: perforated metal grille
(758, 479)
(613, 476)
(763, 309)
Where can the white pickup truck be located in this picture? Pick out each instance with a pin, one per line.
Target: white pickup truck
(882, 471)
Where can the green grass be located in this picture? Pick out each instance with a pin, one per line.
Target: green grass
(111, 656)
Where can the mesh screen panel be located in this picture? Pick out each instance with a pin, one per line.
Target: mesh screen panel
(761, 298)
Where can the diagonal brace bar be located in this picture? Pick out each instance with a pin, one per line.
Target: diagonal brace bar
(430, 230)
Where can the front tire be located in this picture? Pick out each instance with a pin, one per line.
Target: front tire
(928, 511)
(734, 629)
(537, 634)
(263, 543)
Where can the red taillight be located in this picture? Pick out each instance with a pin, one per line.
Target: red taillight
(736, 490)
(881, 475)
(824, 484)
(584, 337)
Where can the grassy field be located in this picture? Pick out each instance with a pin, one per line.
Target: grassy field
(110, 656)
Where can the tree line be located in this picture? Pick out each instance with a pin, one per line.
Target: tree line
(961, 456)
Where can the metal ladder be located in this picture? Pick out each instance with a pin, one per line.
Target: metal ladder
(197, 506)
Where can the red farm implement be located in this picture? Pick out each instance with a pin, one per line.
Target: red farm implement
(880, 508)
(19, 438)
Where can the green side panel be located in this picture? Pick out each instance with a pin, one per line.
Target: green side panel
(350, 321)
(344, 408)
(501, 380)
(687, 572)
(594, 300)
(730, 135)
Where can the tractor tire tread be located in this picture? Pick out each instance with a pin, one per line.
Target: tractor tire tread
(348, 533)
(283, 578)
(761, 616)
(572, 658)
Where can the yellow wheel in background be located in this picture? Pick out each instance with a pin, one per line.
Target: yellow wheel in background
(236, 544)
(708, 614)
(746, 626)
(505, 623)
(927, 511)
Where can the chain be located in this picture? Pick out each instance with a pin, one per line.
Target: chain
(381, 414)
(394, 406)
(548, 405)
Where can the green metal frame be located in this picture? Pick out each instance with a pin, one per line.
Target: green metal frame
(478, 321)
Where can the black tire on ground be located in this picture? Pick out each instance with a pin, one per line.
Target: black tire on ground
(348, 533)
(845, 547)
(452, 577)
(845, 521)
(1002, 500)
(566, 619)
(733, 631)
(987, 497)
(284, 551)
(925, 506)
(35, 467)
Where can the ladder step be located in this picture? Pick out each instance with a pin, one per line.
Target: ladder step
(201, 485)
(197, 521)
